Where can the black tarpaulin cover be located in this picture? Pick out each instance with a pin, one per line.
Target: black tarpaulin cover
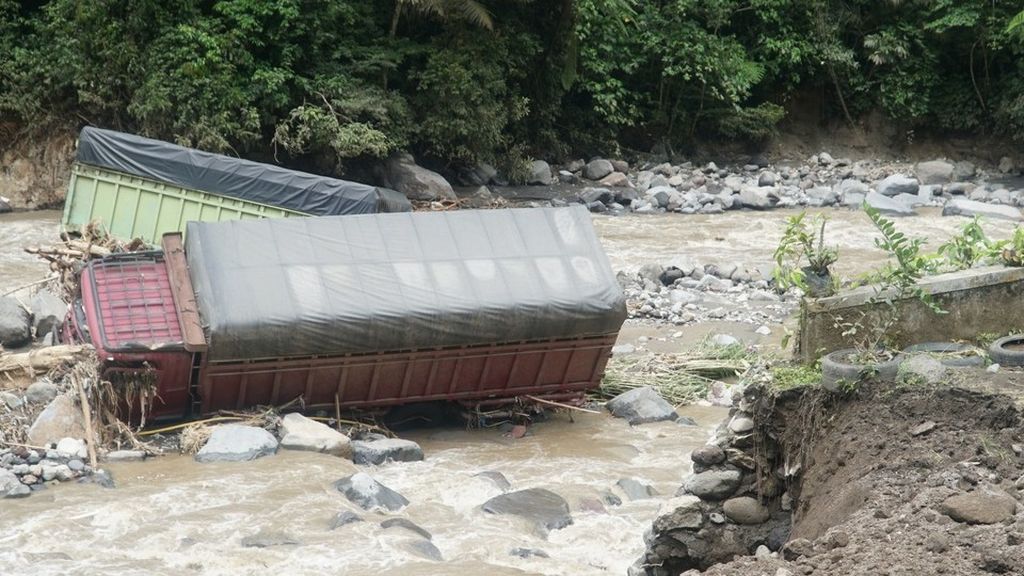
(227, 176)
(390, 282)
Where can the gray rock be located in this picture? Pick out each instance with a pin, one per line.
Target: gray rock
(76, 465)
(10, 400)
(964, 170)
(615, 180)
(237, 443)
(620, 165)
(405, 524)
(1007, 165)
(480, 175)
(745, 510)
(641, 406)
(101, 478)
(365, 492)
(301, 433)
(898, 184)
(545, 509)
(757, 198)
(416, 182)
(15, 324)
(72, 448)
(713, 484)
(979, 507)
(62, 418)
(636, 490)
(267, 538)
(591, 195)
(623, 349)
(597, 207)
(887, 205)
(597, 169)
(680, 513)
(741, 424)
(48, 312)
(821, 196)
(825, 159)
(386, 450)
(923, 428)
(41, 392)
(921, 369)
(708, 455)
(651, 272)
(766, 179)
(934, 172)
(575, 165)
(540, 173)
(8, 480)
(5, 205)
(344, 518)
(424, 549)
(960, 188)
(964, 207)
(910, 200)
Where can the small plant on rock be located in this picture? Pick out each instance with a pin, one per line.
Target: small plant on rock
(1012, 250)
(805, 242)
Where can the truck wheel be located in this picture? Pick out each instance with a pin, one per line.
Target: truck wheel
(1008, 351)
(953, 354)
(837, 369)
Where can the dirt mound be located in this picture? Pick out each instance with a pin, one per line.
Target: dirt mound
(885, 472)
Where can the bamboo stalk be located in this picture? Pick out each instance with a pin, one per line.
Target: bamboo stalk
(560, 405)
(337, 412)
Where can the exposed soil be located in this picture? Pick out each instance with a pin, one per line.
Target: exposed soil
(874, 476)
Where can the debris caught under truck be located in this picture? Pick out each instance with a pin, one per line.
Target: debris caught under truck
(376, 310)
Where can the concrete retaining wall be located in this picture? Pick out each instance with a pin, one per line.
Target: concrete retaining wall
(986, 300)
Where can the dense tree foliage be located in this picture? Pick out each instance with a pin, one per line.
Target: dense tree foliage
(461, 81)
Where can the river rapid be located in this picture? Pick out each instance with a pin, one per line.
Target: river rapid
(171, 515)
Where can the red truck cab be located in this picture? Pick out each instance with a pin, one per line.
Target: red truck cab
(129, 313)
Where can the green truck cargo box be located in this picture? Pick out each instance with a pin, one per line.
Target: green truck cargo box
(137, 187)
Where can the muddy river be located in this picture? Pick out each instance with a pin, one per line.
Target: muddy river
(173, 516)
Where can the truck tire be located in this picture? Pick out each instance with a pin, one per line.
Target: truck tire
(1004, 356)
(836, 369)
(941, 348)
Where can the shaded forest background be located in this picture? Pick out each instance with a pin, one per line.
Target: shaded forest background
(341, 82)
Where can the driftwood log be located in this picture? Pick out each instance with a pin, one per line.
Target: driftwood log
(44, 359)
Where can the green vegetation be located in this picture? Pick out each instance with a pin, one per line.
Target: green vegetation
(787, 376)
(801, 243)
(460, 81)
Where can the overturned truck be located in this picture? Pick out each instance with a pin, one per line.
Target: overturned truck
(137, 187)
(359, 311)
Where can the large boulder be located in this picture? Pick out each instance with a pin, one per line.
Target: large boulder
(62, 418)
(540, 173)
(41, 392)
(15, 324)
(301, 433)
(385, 450)
(363, 491)
(237, 443)
(597, 169)
(713, 484)
(640, 406)
(934, 172)
(545, 509)
(758, 198)
(898, 184)
(887, 205)
(965, 207)
(681, 512)
(980, 507)
(745, 510)
(48, 312)
(416, 182)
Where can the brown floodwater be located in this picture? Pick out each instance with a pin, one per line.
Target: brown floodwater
(171, 515)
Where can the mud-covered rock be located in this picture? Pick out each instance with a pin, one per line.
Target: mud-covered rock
(980, 507)
(745, 510)
(237, 443)
(386, 450)
(301, 433)
(641, 406)
(543, 508)
(713, 484)
(362, 490)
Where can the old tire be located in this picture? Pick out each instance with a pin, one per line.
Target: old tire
(1000, 354)
(941, 348)
(837, 369)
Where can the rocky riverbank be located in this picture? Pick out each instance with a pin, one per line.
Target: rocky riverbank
(915, 479)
